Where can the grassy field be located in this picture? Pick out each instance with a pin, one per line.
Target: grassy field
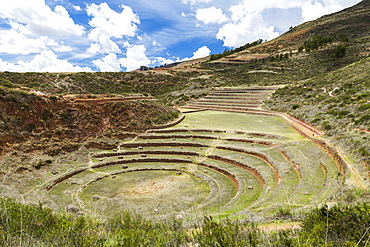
(223, 164)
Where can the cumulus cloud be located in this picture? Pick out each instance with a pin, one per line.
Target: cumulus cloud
(107, 23)
(200, 53)
(103, 45)
(36, 18)
(312, 11)
(135, 57)
(109, 63)
(248, 28)
(247, 23)
(211, 15)
(46, 61)
(34, 25)
(113, 24)
(13, 42)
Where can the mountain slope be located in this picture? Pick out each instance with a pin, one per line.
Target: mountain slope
(338, 102)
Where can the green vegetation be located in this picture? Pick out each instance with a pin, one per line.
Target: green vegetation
(36, 225)
(337, 226)
(230, 52)
(319, 41)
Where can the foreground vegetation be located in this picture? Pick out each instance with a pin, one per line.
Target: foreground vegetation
(35, 225)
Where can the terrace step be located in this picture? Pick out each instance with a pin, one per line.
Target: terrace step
(229, 161)
(234, 99)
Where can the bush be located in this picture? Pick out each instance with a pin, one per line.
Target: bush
(295, 106)
(7, 83)
(326, 126)
(337, 226)
(226, 234)
(340, 51)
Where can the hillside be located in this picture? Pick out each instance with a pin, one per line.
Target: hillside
(272, 135)
(337, 102)
(55, 123)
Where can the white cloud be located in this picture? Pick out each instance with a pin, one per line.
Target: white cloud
(46, 61)
(200, 53)
(104, 45)
(247, 23)
(312, 11)
(13, 42)
(211, 15)
(36, 18)
(76, 7)
(162, 61)
(109, 63)
(247, 29)
(135, 57)
(192, 2)
(107, 23)
(113, 24)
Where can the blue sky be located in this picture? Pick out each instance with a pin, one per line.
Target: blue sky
(122, 35)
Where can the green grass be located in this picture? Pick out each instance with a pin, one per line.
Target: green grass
(200, 190)
(144, 191)
(245, 196)
(238, 122)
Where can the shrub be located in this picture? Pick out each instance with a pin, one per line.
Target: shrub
(226, 234)
(337, 226)
(295, 106)
(340, 51)
(326, 126)
(364, 107)
(6, 83)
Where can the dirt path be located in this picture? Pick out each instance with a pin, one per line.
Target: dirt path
(356, 176)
